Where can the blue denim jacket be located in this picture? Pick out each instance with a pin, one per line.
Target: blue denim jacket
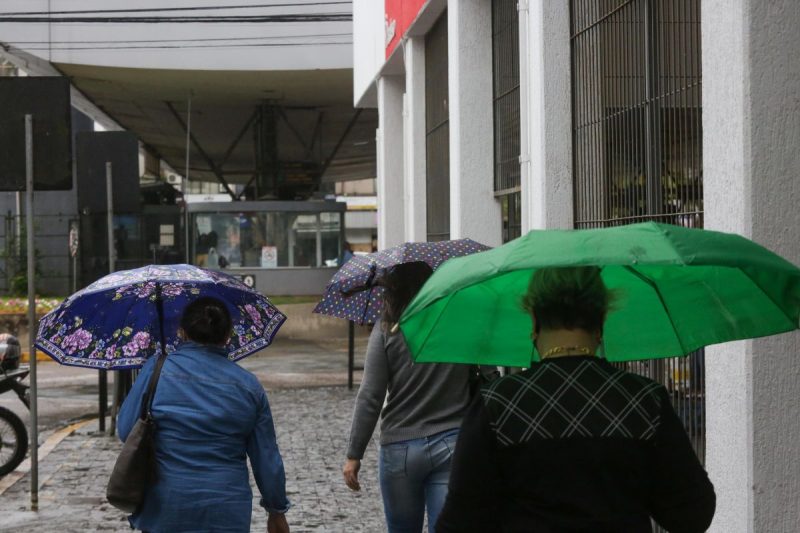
(210, 414)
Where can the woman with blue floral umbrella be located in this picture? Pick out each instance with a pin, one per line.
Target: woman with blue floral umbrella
(210, 414)
(113, 324)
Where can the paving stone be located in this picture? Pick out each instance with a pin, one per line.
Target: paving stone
(312, 426)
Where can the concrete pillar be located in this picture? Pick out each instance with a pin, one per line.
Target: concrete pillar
(474, 211)
(415, 163)
(546, 116)
(751, 134)
(391, 211)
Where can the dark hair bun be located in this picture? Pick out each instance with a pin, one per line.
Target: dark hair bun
(207, 321)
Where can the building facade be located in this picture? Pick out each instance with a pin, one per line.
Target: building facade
(501, 116)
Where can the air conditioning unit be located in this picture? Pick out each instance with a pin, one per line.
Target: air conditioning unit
(173, 179)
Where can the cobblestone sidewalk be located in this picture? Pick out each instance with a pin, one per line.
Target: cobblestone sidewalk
(312, 426)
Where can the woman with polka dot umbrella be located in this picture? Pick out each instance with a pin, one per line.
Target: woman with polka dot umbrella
(354, 293)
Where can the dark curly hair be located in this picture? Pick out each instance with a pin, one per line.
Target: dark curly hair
(207, 321)
(568, 298)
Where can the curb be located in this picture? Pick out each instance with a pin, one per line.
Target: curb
(44, 450)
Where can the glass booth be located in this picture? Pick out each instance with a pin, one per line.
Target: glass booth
(266, 235)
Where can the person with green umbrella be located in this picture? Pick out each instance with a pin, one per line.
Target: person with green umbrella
(574, 443)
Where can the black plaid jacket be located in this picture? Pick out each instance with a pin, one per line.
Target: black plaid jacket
(575, 444)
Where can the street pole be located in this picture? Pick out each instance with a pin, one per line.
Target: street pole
(18, 226)
(111, 268)
(351, 352)
(185, 180)
(34, 429)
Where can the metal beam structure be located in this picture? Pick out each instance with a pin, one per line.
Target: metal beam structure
(214, 168)
(238, 139)
(340, 142)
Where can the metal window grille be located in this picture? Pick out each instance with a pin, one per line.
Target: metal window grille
(637, 140)
(510, 205)
(505, 67)
(437, 132)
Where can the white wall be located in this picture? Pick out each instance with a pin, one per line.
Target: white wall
(751, 134)
(474, 212)
(369, 49)
(415, 152)
(327, 56)
(391, 210)
(545, 106)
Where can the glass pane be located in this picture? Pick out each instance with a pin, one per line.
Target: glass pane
(228, 239)
(303, 241)
(276, 250)
(332, 247)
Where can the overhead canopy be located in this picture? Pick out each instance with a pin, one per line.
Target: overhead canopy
(288, 126)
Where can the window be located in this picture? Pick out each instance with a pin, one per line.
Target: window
(505, 67)
(267, 239)
(512, 216)
(636, 112)
(437, 132)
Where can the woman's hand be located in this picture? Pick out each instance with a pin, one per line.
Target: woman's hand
(350, 472)
(276, 523)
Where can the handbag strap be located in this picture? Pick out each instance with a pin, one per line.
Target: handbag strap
(151, 387)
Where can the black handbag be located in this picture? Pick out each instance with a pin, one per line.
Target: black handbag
(135, 468)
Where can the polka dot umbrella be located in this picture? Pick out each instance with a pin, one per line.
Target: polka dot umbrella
(353, 294)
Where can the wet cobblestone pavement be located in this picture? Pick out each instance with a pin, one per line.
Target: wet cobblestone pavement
(312, 426)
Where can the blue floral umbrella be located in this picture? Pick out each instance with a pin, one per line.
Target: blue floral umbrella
(116, 322)
(352, 292)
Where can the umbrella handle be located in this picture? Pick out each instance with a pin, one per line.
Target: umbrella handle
(151, 387)
(160, 313)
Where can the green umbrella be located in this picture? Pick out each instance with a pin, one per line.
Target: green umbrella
(679, 289)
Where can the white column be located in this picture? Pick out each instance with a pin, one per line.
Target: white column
(546, 116)
(751, 131)
(391, 212)
(474, 211)
(415, 163)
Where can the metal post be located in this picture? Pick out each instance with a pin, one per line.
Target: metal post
(319, 240)
(34, 429)
(291, 240)
(351, 352)
(112, 257)
(18, 226)
(112, 267)
(102, 385)
(185, 180)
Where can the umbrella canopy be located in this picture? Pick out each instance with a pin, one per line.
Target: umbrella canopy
(114, 322)
(352, 293)
(679, 289)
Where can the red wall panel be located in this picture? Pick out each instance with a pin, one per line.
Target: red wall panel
(399, 16)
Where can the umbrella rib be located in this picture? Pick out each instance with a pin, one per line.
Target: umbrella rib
(661, 299)
(791, 321)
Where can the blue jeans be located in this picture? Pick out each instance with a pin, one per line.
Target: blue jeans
(414, 475)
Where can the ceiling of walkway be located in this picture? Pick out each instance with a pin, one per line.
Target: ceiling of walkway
(315, 120)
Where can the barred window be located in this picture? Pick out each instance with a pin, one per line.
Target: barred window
(637, 141)
(505, 70)
(636, 112)
(437, 132)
